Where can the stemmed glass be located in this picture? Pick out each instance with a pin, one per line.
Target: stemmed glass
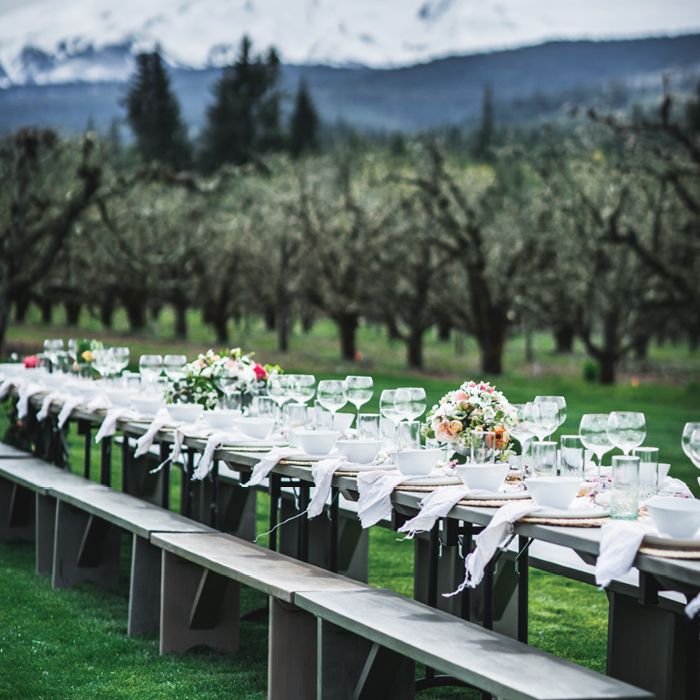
(546, 418)
(102, 361)
(410, 403)
(360, 390)
(150, 367)
(303, 387)
(626, 430)
(523, 430)
(418, 402)
(53, 347)
(120, 359)
(593, 430)
(560, 401)
(387, 409)
(689, 431)
(332, 394)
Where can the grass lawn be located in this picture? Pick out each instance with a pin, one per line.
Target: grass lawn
(72, 643)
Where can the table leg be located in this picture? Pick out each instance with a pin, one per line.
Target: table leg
(335, 515)
(165, 476)
(106, 461)
(274, 509)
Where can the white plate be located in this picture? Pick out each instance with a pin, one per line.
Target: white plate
(666, 542)
(251, 442)
(357, 467)
(547, 512)
(498, 496)
(433, 480)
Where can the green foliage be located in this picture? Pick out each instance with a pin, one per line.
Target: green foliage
(153, 114)
(590, 371)
(303, 129)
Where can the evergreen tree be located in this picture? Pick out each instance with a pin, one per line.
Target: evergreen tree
(303, 130)
(245, 116)
(154, 115)
(485, 134)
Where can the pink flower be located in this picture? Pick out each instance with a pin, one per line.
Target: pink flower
(448, 430)
(460, 395)
(260, 372)
(30, 361)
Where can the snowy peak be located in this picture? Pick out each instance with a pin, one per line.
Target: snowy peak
(45, 41)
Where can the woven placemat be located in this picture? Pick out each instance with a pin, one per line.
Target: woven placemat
(419, 487)
(566, 522)
(298, 462)
(496, 503)
(671, 553)
(236, 448)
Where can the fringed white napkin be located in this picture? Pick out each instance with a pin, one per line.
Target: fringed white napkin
(322, 474)
(145, 442)
(619, 544)
(675, 487)
(269, 462)
(489, 540)
(109, 424)
(693, 608)
(69, 405)
(436, 504)
(46, 404)
(5, 387)
(214, 441)
(99, 403)
(375, 489)
(26, 391)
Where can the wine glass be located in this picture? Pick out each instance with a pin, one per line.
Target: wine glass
(626, 430)
(52, 348)
(686, 439)
(304, 388)
(560, 401)
(150, 367)
(593, 430)
(174, 367)
(332, 394)
(523, 429)
(360, 390)
(694, 447)
(418, 402)
(546, 418)
(387, 409)
(120, 358)
(403, 403)
(102, 361)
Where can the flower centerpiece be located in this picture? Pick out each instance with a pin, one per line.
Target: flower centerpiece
(474, 406)
(212, 374)
(85, 355)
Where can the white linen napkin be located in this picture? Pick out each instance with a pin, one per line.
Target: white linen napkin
(437, 504)
(26, 392)
(693, 608)
(109, 424)
(375, 489)
(269, 462)
(145, 442)
(5, 387)
(619, 543)
(489, 539)
(46, 404)
(99, 403)
(193, 430)
(214, 441)
(322, 474)
(69, 404)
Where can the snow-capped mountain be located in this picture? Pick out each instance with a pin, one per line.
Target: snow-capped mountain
(55, 41)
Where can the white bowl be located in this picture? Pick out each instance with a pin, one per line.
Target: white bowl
(119, 397)
(553, 491)
(360, 451)
(146, 405)
(343, 421)
(485, 477)
(675, 517)
(221, 419)
(317, 442)
(416, 462)
(257, 427)
(185, 412)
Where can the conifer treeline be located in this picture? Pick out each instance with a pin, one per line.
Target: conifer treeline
(244, 120)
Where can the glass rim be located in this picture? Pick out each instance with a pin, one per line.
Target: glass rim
(625, 458)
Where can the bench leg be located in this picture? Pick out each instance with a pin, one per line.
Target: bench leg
(144, 588)
(16, 512)
(353, 668)
(45, 533)
(291, 668)
(197, 608)
(86, 548)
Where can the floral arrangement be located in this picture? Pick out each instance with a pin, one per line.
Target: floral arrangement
(474, 406)
(206, 376)
(85, 351)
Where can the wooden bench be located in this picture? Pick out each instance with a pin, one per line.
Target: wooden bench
(9, 452)
(201, 579)
(365, 637)
(89, 520)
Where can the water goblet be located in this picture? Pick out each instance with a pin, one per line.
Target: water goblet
(593, 430)
(483, 446)
(560, 401)
(360, 390)
(648, 471)
(546, 418)
(120, 358)
(626, 429)
(624, 497)
(572, 456)
(408, 435)
(174, 367)
(368, 426)
(150, 367)
(544, 458)
(688, 431)
(332, 394)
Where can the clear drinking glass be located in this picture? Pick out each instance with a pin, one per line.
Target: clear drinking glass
(368, 426)
(694, 447)
(150, 367)
(626, 429)
(546, 418)
(101, 361)
(52, 348)
(624, 497)
(688, 431)
(296, 417)
(323, 418)
(560, 401)
(360, 390)
(408, 435)
(332, 394)
(648, 471)
(263, 406)
(304, 387)
(593, 430)
(523, 429)
(174, 366)
(544, 458)
(572, 456)
(483, 447)
(120, 357)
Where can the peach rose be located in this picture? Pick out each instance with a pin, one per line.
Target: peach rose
(448, 430)
(460, 396)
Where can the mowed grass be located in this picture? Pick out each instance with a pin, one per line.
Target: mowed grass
(73, 644)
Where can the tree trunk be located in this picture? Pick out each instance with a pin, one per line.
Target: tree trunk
(564, 335)
(307, 321)
(218, 317)
(414, 350)
(444, 330)
(641, 347)
(392, 330)
(107, 313)
(46, 311)
(4, 319)
(181, 321)
(21, 307)
(607, 364)
(529, 346)
(282, 331)
(347, 328)
(270, 320)
(491, 343)
(136, 313)
(155, 310)
(72, 313)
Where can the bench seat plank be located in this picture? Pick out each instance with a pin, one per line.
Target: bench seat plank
(124, 511)
(9, 452)
(39, 476)
(490, 661)
(274, 574)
